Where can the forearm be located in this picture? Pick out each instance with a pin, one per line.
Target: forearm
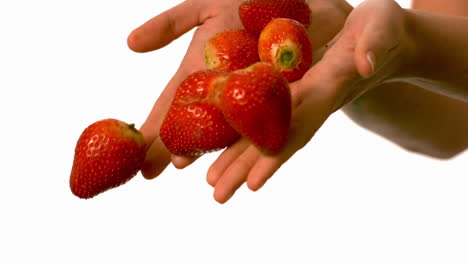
(416, 113)
(440, 61)
(414, 118)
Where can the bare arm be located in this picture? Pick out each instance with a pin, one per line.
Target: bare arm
(442, 60)
(413, 117)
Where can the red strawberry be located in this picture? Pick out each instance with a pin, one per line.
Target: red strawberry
(194, 125)
(108, 154)
(286, 44)
(256, 14)
(231, 50)
(256, 101)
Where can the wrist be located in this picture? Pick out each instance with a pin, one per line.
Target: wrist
(413, 47)
(436, 57)
(408, 50)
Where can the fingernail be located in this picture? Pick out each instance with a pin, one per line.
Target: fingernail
(371, 59)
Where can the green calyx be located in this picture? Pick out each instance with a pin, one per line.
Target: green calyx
(133, 129)
(288, 58)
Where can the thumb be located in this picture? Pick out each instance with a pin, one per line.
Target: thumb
(165, 27)
(373, 49)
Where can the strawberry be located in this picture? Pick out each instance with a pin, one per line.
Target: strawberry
(256, 101)
(108, 153)
(231, 50)
(256, 14)
(286, 44)
(194, 124)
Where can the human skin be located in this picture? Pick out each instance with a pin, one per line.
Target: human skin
(376, 46)
(412, 116)
(210, 17)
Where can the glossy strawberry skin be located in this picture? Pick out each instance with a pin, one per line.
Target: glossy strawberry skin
(231, 50)
(285, 43)
(194, 124)
(256, 14)
(257, 102)
(196, 129)
(108, 153)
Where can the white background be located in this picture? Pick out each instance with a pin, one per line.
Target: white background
(348, 197)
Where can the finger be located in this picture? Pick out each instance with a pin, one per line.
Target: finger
(314, 111)
(319, 52)
(314, 100)
(236, 174)
(157, 159)
(181, 162)
(227, 157)
(256, 168)
(328, 18)
(375, 45)
(166, 27)
(150, 128)
(158, 156)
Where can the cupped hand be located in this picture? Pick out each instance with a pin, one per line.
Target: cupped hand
(210, 17)
(372, 47)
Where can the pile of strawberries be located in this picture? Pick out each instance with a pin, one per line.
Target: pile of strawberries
(244, 92)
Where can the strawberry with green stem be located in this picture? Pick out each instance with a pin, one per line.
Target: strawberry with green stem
(108, 153)
(285, 43)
